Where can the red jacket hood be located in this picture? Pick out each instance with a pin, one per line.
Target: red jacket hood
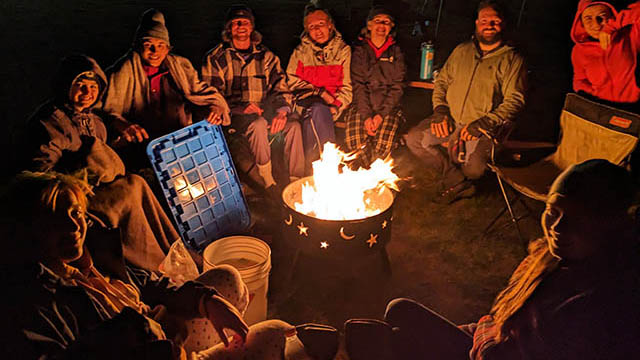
(578, 33)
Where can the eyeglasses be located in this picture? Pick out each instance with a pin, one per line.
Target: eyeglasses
(386, 22)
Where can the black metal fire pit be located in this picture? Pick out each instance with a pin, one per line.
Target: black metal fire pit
(337, 239)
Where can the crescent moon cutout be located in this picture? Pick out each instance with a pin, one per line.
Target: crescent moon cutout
(289, 221)
(346, 237)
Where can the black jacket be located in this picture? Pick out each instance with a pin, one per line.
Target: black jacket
(378, 83)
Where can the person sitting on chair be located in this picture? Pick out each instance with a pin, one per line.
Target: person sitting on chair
(605, 53)
(575, 296)
(378, 74)
(477, 95)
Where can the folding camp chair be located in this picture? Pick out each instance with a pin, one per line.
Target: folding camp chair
(588, 131)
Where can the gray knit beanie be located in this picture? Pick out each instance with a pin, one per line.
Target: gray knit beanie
(152, 26)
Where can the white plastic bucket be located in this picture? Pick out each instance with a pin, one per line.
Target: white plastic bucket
(252, 258)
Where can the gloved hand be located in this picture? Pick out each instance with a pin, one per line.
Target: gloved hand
(480, 127)
(442, 123)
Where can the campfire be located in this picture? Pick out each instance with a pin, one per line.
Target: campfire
(338, 210)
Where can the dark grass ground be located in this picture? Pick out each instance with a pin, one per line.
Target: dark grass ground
(437, 254)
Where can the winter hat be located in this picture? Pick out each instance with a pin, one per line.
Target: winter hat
(152, 25)
(239, 11)
(379, 10)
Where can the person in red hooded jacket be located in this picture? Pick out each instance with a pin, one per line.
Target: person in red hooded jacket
(605, 54)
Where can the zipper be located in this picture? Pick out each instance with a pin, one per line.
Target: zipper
(466, 95)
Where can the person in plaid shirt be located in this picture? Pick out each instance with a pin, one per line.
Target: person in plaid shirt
(254, 85)
(378, 73)
(575, 296)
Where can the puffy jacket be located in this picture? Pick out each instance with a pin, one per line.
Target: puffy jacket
(313, 69)
(474, 85)
(378, 82)
(607, 74)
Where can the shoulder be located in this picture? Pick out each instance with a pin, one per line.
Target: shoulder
(216, 52)
(119, 64)
(181, 61)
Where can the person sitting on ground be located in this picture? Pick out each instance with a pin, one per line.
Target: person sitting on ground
(155, 92)
(575, 296)
(319, 78)
(251, 79)
(605, 53)
(476, 97)
(63, 307)
(67, 133)
(378, 74)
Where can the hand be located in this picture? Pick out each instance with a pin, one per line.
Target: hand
(215, 117)
(135, 133)
(223, 315)
(465, 136)
(368, 125)
(334, 110)
(278, 122)
(605, 40)
(327, 98)
(253, 109)
(441, 129)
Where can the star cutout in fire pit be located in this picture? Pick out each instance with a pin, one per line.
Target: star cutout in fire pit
(372, 240)
(384, 224)
(303, 229)
(324, 245)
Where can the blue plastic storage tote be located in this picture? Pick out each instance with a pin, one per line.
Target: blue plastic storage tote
(200, 183)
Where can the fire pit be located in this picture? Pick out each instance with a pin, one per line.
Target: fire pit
(337, 238)
(340, 214)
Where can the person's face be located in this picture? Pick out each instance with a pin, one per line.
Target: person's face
(380, 26)
(571, 232)
(241, 29)
(488, 26)
(63, 231)
(594, 18)
(319, 27)
(84, 93)
(154, 51)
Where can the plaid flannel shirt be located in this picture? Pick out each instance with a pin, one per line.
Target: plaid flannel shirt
(256, 78)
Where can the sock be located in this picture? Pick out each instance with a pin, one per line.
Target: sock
(265, 172)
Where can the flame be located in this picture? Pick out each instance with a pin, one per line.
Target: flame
(339, 193)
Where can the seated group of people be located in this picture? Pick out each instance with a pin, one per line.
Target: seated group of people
(573, 297)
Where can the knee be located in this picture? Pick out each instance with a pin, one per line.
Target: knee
(414, 138)
(259, 126)
(398, 308)
(321, 114)
(474, 169)
(293, 127)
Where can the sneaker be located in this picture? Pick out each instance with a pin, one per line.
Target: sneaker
(462, 190)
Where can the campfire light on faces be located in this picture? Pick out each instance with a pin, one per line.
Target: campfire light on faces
(339, 193)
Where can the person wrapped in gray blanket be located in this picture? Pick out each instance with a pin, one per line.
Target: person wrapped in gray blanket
(68, 134)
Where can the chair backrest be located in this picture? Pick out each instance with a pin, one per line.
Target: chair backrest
(594, 131)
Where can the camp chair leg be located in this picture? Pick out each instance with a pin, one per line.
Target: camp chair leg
(509, 208)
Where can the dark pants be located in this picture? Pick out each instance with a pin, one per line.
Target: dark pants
(426, 146)
(423, 334)
(317, 129)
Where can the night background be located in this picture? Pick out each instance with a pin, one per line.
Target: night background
(443, 263)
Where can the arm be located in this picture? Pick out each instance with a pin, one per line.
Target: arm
(360, 75)
(442, 82)
(277, 87)
(514, 85)
(298, 86)
(394, 94)
(212, 73)
(580, 81)
(48, 144)
(200, 93)
(344, 95)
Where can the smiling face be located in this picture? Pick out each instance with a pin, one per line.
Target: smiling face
(380, 26)
(489, 26)
(62, 230)
(319, 26)
(594, 18)
(83, 93)
(153, 51)
(241, 29)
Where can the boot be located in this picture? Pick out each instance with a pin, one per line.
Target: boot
(368, 339)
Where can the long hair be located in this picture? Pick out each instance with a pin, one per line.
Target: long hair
(524, 281)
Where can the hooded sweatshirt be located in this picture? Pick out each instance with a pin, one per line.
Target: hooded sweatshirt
(313, 69)
(607, 74)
